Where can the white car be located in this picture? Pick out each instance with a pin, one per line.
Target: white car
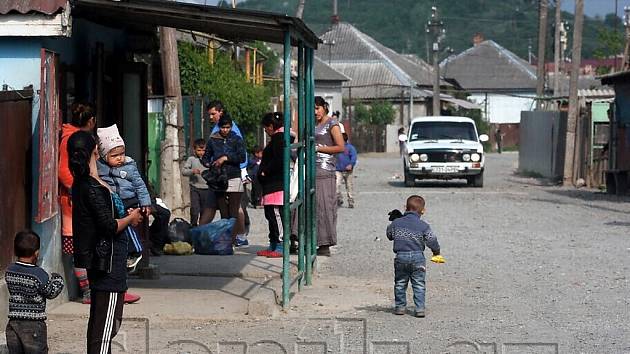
(444, 147)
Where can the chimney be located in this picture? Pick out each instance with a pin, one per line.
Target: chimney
(478, 38)
(334, 19)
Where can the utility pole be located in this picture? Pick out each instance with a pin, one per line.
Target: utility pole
(542, 41)
(626, 50)
(574, 109)
(556, 50)
(435, 28)
(171, 182)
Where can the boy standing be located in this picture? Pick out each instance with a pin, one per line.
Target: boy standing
(198, 186)
(29, 286)
(345, 165)
(410, 236)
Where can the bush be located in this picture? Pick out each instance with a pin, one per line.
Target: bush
(245, 102)
(379, 113)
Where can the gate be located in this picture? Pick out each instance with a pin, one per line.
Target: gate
(15, 172)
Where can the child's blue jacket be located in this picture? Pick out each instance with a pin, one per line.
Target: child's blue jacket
(125, 180)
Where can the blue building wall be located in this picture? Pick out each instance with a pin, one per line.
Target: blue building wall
(20, 66)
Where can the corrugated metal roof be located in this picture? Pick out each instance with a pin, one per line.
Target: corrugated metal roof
(368, 62)
(488, 67)
(324, 72)
(47, 7)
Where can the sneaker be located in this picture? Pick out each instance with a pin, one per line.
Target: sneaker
(131, 298)
(241, 241)
(399, 311)
(86, 299)
(263, 253)
(351, 206)
(339, 202)
(419, 313)
(276, 253)
(133, 261)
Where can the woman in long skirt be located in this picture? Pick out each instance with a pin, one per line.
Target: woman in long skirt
(329, 142)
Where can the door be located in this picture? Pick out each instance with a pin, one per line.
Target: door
(15, 171)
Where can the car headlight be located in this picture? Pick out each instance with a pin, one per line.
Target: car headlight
(475, 157)
(424, 157)
(466, 157)
(414, 157)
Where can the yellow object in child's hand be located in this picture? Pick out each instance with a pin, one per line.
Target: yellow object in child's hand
(438, 259)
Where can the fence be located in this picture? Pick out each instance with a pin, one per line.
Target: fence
(369, 138)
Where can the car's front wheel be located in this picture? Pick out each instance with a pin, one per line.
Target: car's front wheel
(410, 180)
(476, 181)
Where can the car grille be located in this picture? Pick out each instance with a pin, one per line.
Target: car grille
(444, 156)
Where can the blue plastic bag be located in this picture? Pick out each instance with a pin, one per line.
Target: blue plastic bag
(214, 238)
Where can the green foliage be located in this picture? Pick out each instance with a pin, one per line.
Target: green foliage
(379, 113)
(610, 43)
(362, 113)
(401, 24)
(245, 102)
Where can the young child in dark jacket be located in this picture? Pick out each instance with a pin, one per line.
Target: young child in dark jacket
(29, 286)
(410, 235)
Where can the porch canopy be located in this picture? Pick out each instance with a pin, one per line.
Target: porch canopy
(245, 25)
(233, 24)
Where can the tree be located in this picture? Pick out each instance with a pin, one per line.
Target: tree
(379, 113)
(610, 43)
(245, 102)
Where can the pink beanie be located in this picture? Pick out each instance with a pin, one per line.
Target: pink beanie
(108, 138)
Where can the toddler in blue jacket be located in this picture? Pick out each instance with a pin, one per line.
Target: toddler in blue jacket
(121, 173)
(411, 235)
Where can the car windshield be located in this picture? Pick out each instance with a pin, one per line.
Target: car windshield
(442, 130)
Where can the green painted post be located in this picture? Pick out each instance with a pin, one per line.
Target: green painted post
(300, 164)
(311, 152)
(286, 207)
(308, 197)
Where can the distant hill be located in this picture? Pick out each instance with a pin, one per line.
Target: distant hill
(400, 24)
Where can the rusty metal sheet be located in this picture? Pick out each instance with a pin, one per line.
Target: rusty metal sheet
(15, 172)
(47, 7)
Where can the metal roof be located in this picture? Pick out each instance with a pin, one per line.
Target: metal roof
(324, 72)
(615, 77)
(489, 67)
(233, 24)
(366, 61)
(46, 7)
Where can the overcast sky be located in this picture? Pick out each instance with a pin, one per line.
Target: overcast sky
(597, 7)
(591, 7)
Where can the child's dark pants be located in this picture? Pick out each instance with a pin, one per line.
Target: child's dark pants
(198, 200)
(27, 336)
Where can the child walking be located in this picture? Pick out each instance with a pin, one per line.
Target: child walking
(121, 173)
(29, 286)
(198, 186)
(346, 161)
(410, 235)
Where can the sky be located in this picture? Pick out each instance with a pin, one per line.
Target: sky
(591, 7)
(597, 7)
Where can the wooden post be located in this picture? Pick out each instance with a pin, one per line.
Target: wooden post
(172, 145)
(542, 41)
(247, 65)
(574, 108)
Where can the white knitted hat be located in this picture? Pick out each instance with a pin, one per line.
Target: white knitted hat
(108, 138)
